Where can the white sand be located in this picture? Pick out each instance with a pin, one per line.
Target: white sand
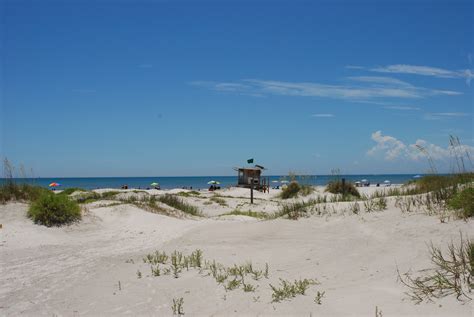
(75, 270)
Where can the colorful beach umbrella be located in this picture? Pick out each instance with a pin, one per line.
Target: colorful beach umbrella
(213, 183)
(54, 184)
(154, 184)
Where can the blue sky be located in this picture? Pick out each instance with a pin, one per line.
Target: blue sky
(171, 88)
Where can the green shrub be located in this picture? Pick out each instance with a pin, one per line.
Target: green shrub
(54, 210)
(463, 201)
(290, 191)
(337, 187)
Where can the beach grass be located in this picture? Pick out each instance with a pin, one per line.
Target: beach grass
(177, 203)
(452, 274)
(248, 213)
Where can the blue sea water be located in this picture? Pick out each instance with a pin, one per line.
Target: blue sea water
(198, 182)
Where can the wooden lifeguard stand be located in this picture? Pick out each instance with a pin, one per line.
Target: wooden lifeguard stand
(248, 176)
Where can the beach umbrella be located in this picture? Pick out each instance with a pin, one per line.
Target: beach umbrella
(154, 184)
(275, 181)
(357, 182)
(284, 182)
(387, 181)
(54, 184)
(417, 176)
(213, 183)
(364, 181)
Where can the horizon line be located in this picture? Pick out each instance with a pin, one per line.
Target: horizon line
(298, 175)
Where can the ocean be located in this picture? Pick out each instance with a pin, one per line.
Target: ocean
(198, 182)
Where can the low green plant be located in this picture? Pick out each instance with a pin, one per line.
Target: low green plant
(355, 208)
(233, 284)
(249, 288)
(218, 200)
(177, 263)
(248, 213)
(86, 197)
(319, 297)
(294, 210)
(69, 191)
(155, 270)
(177, 306)
(380, 204)
(191, 193)
(463, 202)
(109, 194)
(453, 274)
(54, 210)
(288, 290)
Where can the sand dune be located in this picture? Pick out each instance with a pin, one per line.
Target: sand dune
(76, 270)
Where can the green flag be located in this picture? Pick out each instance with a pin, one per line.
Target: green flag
(250, 161)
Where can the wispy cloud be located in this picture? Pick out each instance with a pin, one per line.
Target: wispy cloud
(408, 108)
(380, 80)
(323, 115)
(358, 89)
(445, 115)
(467, 74)
(392, 149)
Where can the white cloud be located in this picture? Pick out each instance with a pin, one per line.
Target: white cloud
(360, 88)
(392, 149)
(322, 115)
(426, 71)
